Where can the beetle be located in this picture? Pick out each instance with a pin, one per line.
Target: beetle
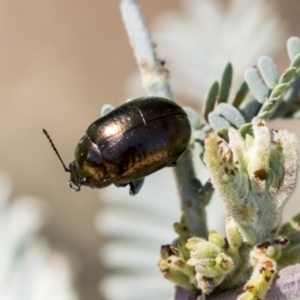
(129, 143)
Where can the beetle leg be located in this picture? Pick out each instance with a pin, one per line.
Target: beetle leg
(135, 186)
(172, 164)
(120, 184)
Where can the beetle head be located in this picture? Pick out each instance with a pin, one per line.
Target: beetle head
(88, 168)
(85, 173)
(76, 177)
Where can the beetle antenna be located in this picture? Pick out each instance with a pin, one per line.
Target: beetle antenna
(55, 150)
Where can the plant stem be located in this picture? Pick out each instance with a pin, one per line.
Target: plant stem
(155, 79)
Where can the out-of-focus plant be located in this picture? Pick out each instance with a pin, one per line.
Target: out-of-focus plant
(252, 168)
(210, 35)
(133, 228)
(29, 268)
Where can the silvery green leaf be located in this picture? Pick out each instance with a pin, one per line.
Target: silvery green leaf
(200, 135)
(256, 85)
(193, 117)
(288, 75)
(268, 71)
(293, 47)
(250, 110)
(106, 109)
(231, 114)
(296, 61)
(246, 129)
(291, 96)
(241, 94)
(279, 91)
(210, 99)
(272, 102)
(217, 122)
(225, 83)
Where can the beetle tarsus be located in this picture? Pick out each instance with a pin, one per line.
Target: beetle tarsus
(172, 164)
(135, 186)
(120, 184)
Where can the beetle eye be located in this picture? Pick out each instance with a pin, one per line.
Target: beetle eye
(85, 181)
(74, 187)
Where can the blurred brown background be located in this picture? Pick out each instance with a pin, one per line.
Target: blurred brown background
(60, 61)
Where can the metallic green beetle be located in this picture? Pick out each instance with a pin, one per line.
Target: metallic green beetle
(129, 143)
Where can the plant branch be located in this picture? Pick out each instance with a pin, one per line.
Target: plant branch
(155, 79)
(154, 76)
